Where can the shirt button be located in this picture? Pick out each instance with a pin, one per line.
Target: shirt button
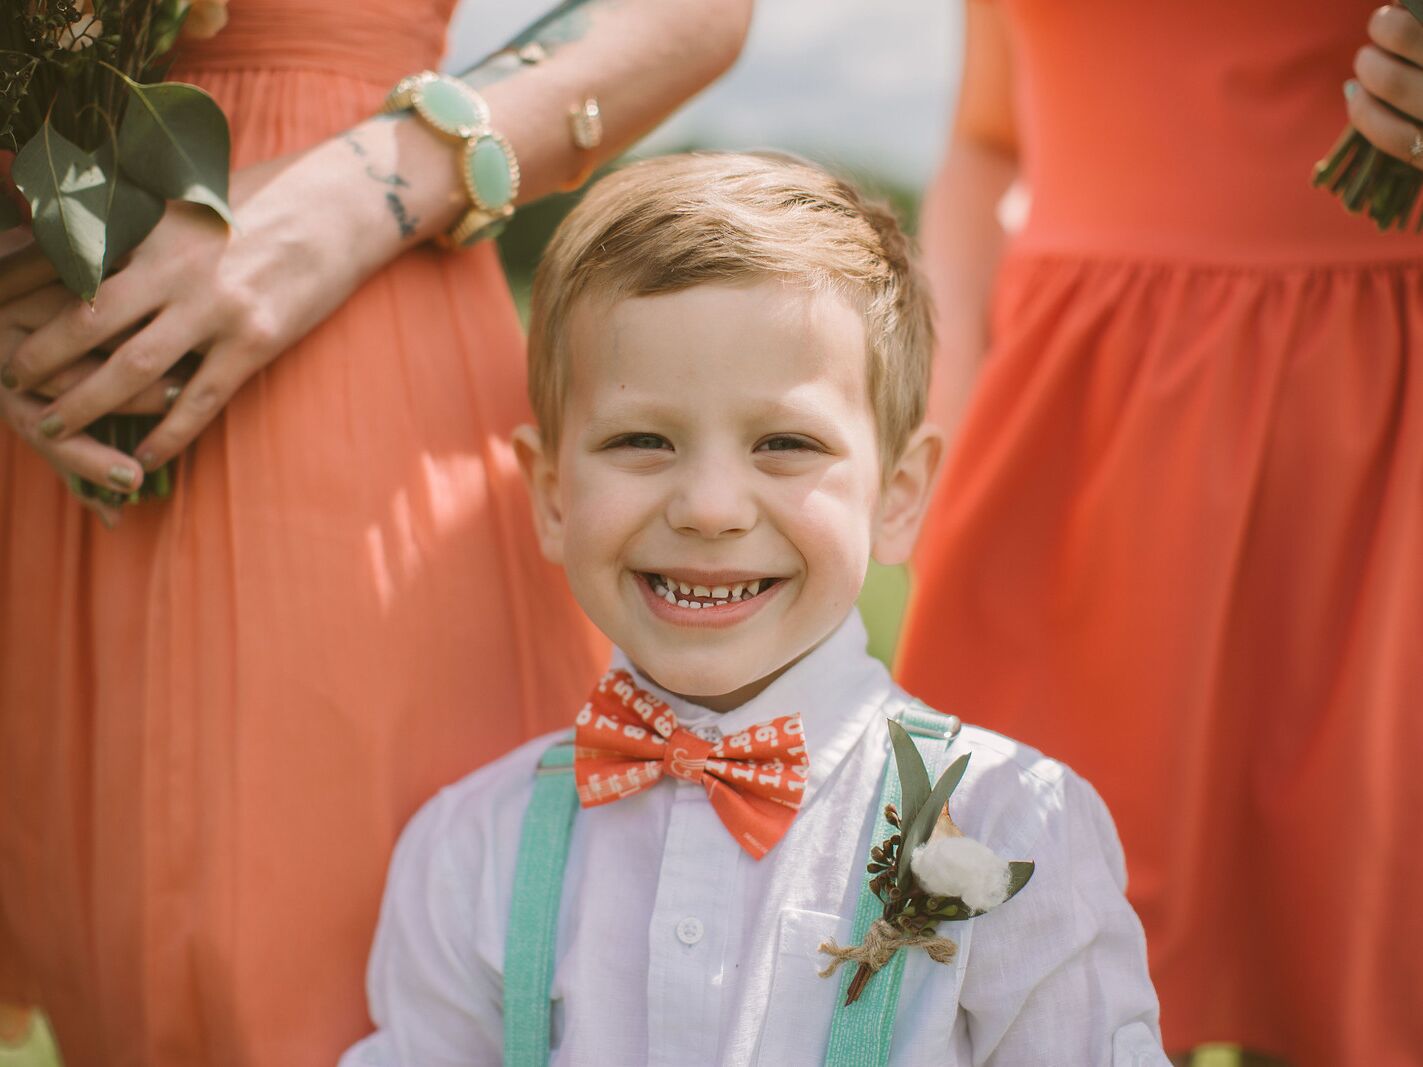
(690, 930)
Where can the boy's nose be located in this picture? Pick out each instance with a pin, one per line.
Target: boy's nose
(711, 501)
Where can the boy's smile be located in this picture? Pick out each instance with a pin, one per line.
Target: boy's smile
(717, 490)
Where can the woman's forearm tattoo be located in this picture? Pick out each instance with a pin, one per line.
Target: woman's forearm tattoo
(406, 222)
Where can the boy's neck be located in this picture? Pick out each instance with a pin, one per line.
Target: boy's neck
(726, 702)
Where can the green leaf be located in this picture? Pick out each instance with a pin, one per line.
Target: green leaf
(68, 194)
(913, 778)
(10, 214)
(917, 832)
(1415, 8)
(1020, 872)
(133, 210)
(174, 142)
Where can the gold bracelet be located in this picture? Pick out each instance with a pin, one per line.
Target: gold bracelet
(487, 167)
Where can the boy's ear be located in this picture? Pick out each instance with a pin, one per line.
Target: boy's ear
(905, 496)
(541, 476)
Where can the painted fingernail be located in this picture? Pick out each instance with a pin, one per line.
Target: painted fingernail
(7, 377)
(52, 425)
(121, 476)
(1351, 89)
(147, 460)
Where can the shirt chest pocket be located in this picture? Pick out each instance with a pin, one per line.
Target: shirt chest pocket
(801, 1003)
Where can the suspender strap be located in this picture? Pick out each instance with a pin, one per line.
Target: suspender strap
(860, 1034)
(533, 915)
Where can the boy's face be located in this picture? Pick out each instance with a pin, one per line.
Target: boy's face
(717, 491)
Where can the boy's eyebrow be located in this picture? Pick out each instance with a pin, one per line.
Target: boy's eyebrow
(624, 413)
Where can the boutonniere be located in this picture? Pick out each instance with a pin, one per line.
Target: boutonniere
(926, 872)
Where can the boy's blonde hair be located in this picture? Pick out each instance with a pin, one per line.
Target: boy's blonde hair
(673, 222)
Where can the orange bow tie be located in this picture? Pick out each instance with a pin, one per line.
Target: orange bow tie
(627, 739)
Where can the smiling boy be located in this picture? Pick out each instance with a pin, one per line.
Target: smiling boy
(729, 356)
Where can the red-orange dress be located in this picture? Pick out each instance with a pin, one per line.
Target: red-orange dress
(1180, 540)
(215, 720)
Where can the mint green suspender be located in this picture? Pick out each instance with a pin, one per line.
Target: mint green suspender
(859, 1034)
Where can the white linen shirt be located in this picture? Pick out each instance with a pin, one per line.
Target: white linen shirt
(676, 948)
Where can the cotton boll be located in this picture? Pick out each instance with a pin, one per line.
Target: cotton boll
(964, 868)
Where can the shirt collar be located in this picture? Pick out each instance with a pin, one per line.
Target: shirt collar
(837, 687)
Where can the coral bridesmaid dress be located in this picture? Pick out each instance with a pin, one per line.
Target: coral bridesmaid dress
(215, 719)
(1180, 540)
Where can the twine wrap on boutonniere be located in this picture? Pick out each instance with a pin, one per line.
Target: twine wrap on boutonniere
(926, 873)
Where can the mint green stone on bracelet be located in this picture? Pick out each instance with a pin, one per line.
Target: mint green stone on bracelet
(491, 173)
(449, 107)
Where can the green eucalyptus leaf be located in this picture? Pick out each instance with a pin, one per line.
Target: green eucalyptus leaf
(10, 214)
(68, 194)
(913, 777)
(133, 210)
(174, 142)
(917, 832)
(1019, 874)
(1415, 8)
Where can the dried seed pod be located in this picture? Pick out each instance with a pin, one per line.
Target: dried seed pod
(891, 816)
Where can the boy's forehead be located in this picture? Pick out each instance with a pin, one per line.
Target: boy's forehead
(763, 328)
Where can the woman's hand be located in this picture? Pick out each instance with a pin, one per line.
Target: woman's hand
(239, 297)
(80, 456)
(1388, 71)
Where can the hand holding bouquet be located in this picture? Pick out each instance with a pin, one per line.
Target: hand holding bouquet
(1374, 167)
(100, 145)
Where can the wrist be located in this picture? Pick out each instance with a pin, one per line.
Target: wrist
(488, 171)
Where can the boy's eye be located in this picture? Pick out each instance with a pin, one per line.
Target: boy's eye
(640, 441)
(788, 443)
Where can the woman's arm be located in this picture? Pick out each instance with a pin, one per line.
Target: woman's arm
(960, 228)
(313, 226)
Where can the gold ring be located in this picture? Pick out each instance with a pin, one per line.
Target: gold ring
(171, 394)
(585, 122)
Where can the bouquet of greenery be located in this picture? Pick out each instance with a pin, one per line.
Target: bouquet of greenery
(1369, 181)
(100, 144)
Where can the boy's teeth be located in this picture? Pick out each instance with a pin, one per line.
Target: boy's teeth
(681, 593)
